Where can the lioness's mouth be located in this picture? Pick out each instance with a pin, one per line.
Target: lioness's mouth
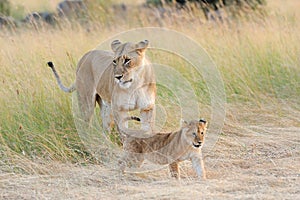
(197, 145)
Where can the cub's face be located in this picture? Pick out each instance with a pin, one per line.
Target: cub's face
(195, 132)
(128, 61)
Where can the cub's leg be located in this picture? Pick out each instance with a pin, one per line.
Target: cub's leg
(123, 162)
(174, 170)
(198, 166)
(203, 167)
(130, 160)
(132, 155)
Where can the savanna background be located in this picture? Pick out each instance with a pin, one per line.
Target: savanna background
(256, 51)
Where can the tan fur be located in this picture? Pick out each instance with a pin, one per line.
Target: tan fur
(165, 148)
(115, 83)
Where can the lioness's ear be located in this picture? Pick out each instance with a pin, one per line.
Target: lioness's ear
(142, 45)
(115, 44)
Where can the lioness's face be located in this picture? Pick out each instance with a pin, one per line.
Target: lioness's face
(128, 61)
(195, 132)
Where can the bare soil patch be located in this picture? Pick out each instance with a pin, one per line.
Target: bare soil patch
(255, 158)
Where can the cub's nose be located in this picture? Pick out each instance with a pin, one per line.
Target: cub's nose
(118, 77)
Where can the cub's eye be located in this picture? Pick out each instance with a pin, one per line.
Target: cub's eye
(194, 134)
(126, 61)
(114, 62)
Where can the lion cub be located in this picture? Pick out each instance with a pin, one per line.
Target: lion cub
(165, 148)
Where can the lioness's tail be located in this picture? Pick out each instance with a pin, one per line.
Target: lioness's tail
(132, 132)
(132, 118)
(124, 130)
(64, 88)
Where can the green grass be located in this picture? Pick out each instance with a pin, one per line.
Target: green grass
(259, 63)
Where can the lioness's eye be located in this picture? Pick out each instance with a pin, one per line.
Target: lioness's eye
(126, 61)
(114, 62)
(202, 133)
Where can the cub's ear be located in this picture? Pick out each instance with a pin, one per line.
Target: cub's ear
(142, 46)
(183, 123)
(203, 122)
(115, 44)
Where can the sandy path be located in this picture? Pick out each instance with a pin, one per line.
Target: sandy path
(255, 162)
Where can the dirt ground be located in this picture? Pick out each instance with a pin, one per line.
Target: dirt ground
(255, 158)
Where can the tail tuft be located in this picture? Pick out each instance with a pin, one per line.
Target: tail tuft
(50, 64)
(135, 118)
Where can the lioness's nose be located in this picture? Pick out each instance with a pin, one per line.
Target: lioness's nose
(118, 77)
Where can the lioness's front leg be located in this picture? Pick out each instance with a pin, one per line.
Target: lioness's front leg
(106, 115)
(148, 118)
(118, 118)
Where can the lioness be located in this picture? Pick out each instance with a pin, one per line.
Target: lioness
(165, 148)
(122, 80)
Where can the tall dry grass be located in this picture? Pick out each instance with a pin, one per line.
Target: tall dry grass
(258, 60)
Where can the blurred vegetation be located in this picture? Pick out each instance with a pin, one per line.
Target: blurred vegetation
(5, 7)
(232, 7)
